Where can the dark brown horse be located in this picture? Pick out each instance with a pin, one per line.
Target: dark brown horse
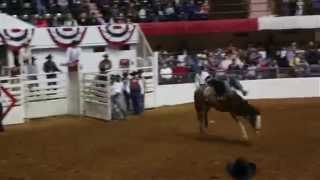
(205, 98)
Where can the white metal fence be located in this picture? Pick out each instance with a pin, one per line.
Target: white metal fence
(45, 94)
(95, 96)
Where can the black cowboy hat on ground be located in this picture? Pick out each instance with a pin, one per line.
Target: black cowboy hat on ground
(49, 56)
(241, 169)
(133, 73)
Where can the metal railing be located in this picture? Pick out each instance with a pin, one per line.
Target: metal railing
(248, 74)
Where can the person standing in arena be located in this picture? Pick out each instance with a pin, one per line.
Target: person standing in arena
(118, 107)
(136, 90)
(126, 81)
(50, 67)
(142, 83)
(73, 55)
(1, 114)
(105, 64)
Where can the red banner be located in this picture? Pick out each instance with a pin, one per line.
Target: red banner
(199, 27)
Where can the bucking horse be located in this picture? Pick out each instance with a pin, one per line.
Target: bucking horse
(205, 98)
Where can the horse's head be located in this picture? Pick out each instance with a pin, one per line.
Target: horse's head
(254, 118)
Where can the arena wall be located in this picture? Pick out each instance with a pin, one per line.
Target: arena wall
(258, 89)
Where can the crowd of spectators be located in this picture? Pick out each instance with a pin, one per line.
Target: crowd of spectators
(253, 62)
(299, 7)
(44, 13)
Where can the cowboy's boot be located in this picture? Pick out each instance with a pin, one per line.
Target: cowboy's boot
(244, 92)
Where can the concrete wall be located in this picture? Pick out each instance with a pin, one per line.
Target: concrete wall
(258, 89)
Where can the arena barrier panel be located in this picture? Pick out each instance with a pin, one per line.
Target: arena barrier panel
(13, 85)
(45, 94)
(95, 96)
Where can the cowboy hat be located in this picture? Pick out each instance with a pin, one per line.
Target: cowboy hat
(133, 73)
(105, 55)
(241, 169)
(49, 56)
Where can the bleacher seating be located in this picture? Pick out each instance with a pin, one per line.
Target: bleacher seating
(221, 9)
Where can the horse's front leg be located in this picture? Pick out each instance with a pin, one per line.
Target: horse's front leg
(201, 119)
(206, 117)
(242, 127)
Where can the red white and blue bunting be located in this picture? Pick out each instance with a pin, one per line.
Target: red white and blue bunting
(15, 39)
(65, 36)
(117, 34)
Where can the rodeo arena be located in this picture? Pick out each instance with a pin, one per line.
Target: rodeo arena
(159, 89)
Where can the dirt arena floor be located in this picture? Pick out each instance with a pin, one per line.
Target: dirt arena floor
(164, 144)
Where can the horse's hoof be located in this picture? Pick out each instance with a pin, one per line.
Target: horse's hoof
(212, 122)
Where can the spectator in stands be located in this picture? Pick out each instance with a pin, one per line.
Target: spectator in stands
(300, 7)
(83, 19)
(281, 58)
(291, 52)
(166, 73)
(40, 6)
(56, 20)
(143, 15)
(136, 90)
(312, 55)
(69, 20)
(234, 66)
(190, 9)
(182, 58)
(64, 5)
(225, 63)
(202, 10)
(27, 9)
(315, 5)
(53, 7)
(132, 12)
(51, 68)
(292, 7)
(300, 66)
(100, 19)
(14, 6)
(92, 20)
(170, 13)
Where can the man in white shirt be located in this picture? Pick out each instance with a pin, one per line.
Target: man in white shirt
(166, 73)
(73, 56)
(118, 109)
(201, 77)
